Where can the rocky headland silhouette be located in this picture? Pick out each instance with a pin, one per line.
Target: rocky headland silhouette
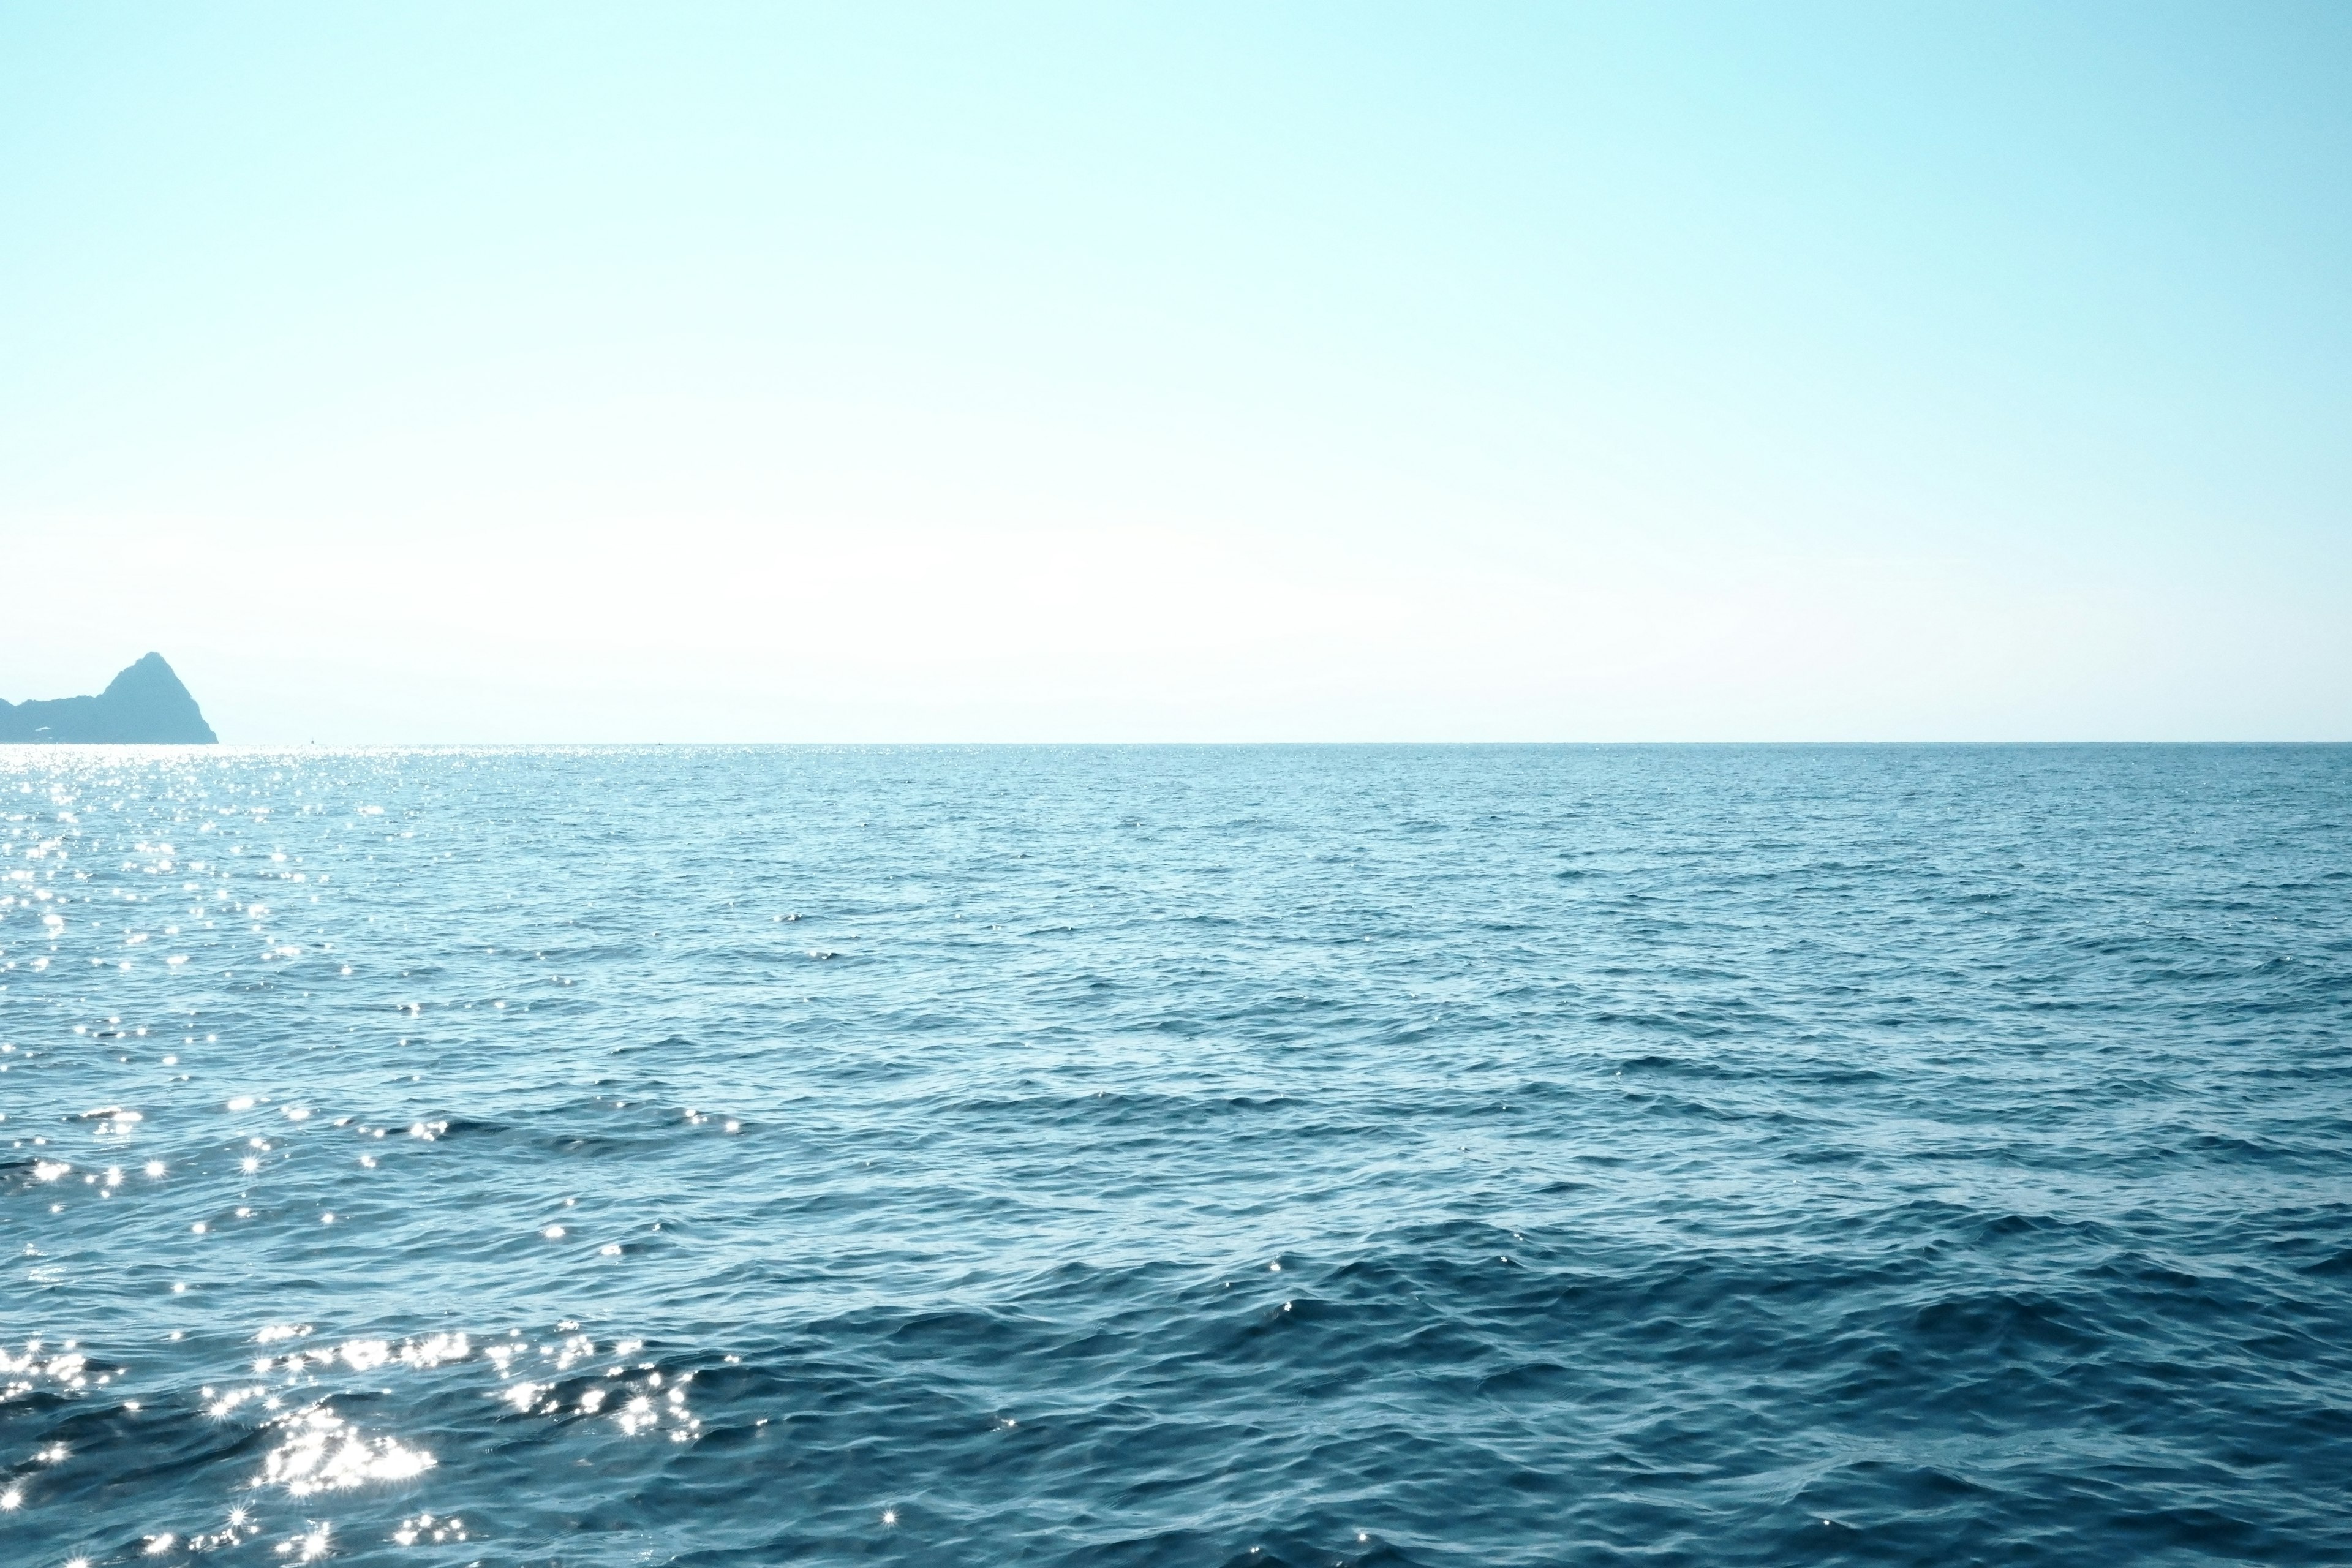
(145, 704)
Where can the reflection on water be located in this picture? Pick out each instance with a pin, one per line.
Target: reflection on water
(310, 1448)
(322, 1452)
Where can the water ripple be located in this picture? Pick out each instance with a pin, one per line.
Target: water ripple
(1477, 1156)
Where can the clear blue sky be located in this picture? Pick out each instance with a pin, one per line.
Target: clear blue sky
(680, 371)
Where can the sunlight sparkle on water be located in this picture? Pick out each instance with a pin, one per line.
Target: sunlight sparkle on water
(324, 1453)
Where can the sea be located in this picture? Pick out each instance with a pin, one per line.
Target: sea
(1176, 1155)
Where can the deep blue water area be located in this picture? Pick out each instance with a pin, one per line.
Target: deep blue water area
(1176, 1155)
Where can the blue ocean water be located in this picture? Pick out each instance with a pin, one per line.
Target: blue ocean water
(1171, 1155)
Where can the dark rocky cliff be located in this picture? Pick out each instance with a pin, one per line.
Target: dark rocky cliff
(145, 704)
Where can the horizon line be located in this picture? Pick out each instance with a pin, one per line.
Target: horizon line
(1111, 744)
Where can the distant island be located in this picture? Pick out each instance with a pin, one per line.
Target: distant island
(145, 705)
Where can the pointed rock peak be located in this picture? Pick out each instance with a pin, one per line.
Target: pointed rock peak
(152, 673)
(146, 704)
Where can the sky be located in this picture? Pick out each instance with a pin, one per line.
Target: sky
(867, 372)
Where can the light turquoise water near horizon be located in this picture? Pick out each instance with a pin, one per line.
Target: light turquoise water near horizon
(1464, 1155)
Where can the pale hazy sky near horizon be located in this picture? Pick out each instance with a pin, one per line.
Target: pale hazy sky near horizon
(570, 372)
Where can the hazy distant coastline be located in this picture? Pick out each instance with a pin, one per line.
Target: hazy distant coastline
(146, 704)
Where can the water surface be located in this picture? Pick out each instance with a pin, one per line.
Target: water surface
(1172, 1155)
